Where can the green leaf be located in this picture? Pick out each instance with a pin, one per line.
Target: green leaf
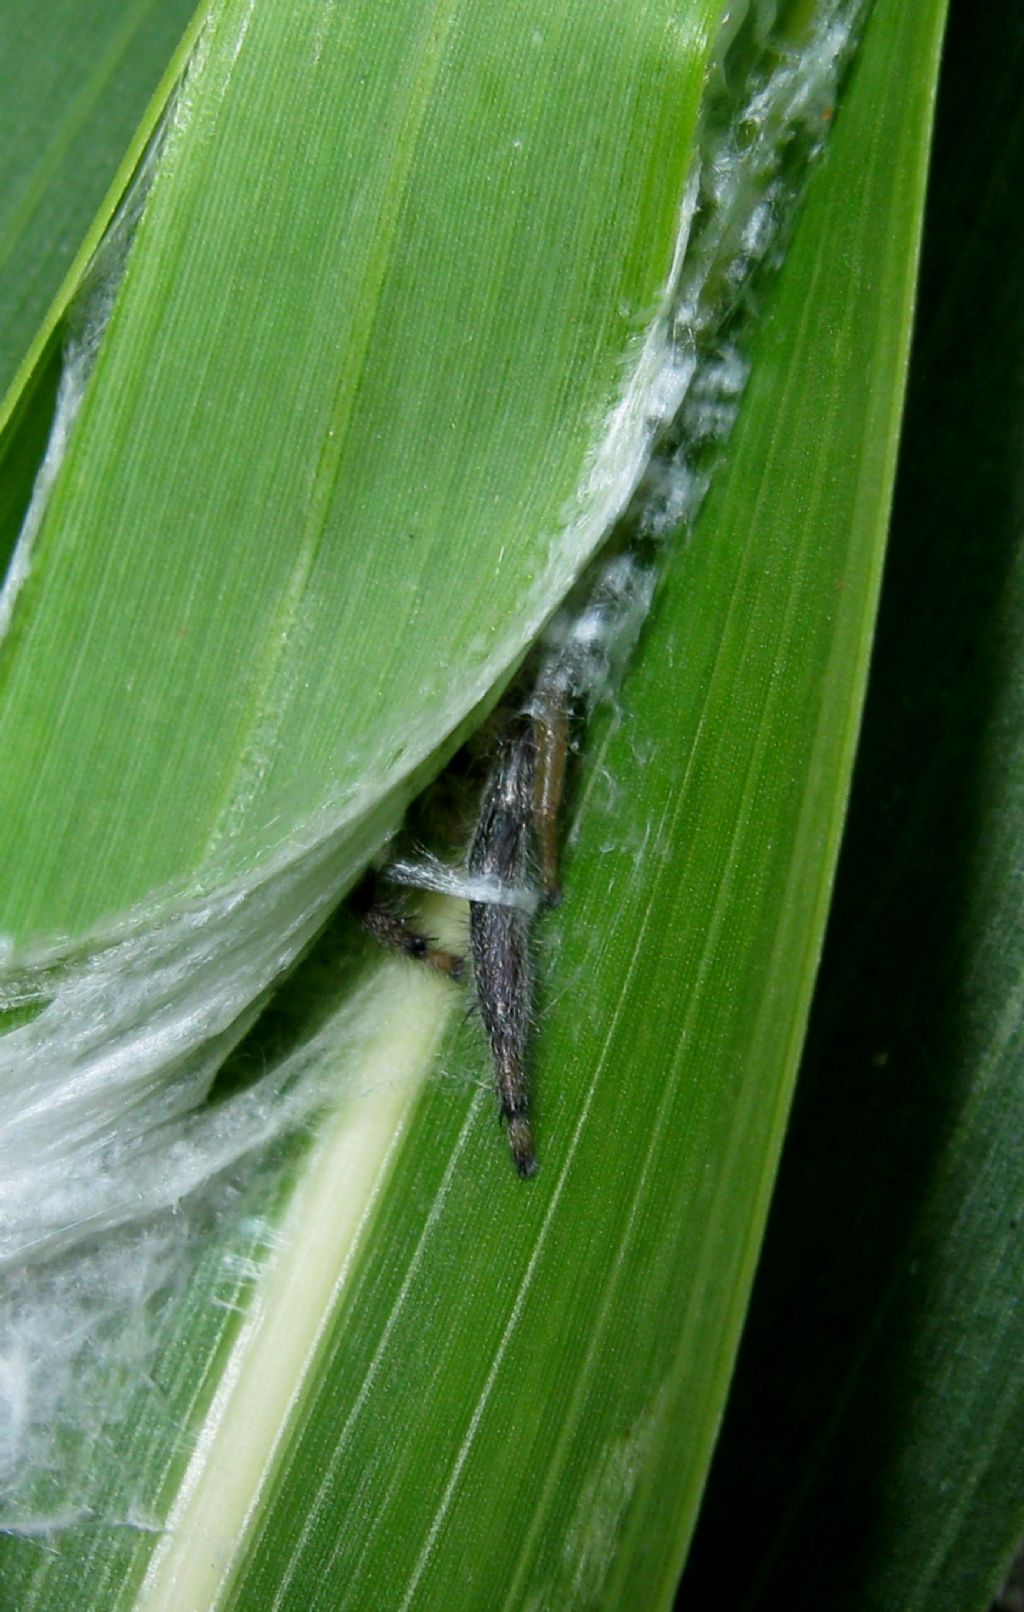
(520, 1388)
(369, 395)
(73, 86)
(63, 139)
(878, 1414)
(325, 582)
(451, 1388)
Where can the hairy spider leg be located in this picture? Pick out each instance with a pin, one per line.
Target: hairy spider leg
(390, 930)
(499, 935)
(551, 749)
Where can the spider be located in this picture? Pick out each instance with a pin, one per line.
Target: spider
(516, 833)
(517, 825)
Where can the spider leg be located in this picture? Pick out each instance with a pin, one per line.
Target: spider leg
(389, 929)
(550, 715)
(499, 936)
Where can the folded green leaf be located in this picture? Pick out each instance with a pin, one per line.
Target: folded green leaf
(451, 1389)
(386, 358)
(355, 261)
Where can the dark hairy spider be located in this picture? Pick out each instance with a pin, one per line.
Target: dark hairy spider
(513, 852)
(516, 827)
(518, 817)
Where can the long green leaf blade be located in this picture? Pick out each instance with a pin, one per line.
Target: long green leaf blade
(518, 1392)
(492, 1405)
(878, 1413)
